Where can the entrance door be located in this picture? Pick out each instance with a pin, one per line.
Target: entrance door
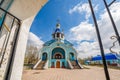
(58, 64)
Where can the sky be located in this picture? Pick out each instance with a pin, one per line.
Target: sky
(76, 21)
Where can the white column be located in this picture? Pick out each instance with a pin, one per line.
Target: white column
(16, 71)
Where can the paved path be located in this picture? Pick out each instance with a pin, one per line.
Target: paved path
(94, 73)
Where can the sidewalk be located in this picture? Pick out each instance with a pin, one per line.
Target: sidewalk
(94, 73)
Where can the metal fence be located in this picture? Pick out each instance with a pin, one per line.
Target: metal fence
(99, 36)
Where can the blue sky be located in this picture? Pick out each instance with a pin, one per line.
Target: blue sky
(45, 21)
(76, 20)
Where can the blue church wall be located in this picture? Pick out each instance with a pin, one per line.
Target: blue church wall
(58, 50)
(71, 56)
(66, 51)
(61, 60)
(44, 56)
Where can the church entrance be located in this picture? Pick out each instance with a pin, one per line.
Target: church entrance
(58, 56)
(58, 53)
(58, 64)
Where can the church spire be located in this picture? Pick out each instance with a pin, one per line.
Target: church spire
(58, 34)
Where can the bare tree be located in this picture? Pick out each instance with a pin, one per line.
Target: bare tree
(31, 56)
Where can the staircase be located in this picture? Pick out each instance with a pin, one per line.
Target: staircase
(75, 65)
(40, 65)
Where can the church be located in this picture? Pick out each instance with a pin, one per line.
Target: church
(58, 53)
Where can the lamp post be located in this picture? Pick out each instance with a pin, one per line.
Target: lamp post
(100, 42)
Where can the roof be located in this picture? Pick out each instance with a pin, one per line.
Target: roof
(49, 42)
(57, 30)
(54, 40)
(108, 56)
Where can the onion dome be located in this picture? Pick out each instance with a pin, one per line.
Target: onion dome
(58, 33)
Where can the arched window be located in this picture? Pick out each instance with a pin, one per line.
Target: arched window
(58, 56)
(71, 56)
(58, 35)
(44, 56)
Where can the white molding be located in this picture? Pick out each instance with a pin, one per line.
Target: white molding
(69, 64)
(46, 65)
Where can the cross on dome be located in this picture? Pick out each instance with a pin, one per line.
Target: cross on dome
(58, 24)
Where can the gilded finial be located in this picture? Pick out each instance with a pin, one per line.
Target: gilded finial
(58, 23)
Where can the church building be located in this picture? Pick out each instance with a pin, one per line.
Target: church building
(58, 53)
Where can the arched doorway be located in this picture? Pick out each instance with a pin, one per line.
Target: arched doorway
(44, 56)
(58, 64)
(71, 56)
(58, 56)
(58, 53)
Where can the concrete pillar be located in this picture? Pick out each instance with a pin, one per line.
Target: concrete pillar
(17, 64)
(25, 10)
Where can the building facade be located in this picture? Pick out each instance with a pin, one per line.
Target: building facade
(112, 59)
(58, 52)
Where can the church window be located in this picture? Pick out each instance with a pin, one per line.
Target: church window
(58, 56)
(58, 35)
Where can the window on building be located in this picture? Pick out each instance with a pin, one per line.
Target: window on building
(58, 56)
(58, 35)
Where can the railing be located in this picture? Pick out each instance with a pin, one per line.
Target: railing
(35, 66)
(99, 36)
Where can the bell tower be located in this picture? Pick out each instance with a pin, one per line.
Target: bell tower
(58, 33)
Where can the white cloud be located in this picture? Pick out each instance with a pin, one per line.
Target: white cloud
(105, 24)
(86, 31)
(83, 8)
(34, 40)
(86, 49)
